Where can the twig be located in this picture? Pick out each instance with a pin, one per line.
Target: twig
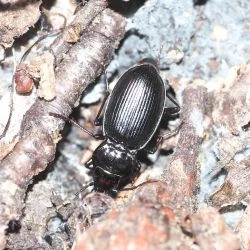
(181, 174)
(84, 61)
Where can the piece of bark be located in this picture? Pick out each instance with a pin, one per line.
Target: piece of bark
(182, 173)
(150, 221)
(231, 109)
(47, 83)
(236, 188)
(231, 116)
(145, 223)
(17, 21)
(20, 104)
(39, 132)
(82, 20)
(14, 106)
(211, 233)
(243, 229)
(42, 68)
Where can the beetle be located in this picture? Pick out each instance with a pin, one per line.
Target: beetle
(130, 116)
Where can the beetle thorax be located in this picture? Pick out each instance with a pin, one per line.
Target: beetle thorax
(112, 164)
(114, 158)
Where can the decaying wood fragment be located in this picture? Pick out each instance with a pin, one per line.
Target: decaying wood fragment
(231, 116)
(47, 82)
(16, 21)
(80, 23)
(150, 221)
(182, 172)
(211, 233)
(146, 223)
(40, 68)
(17, 106)
(235, 189)
(83, 62)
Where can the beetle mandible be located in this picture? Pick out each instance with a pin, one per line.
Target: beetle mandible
(130, 116)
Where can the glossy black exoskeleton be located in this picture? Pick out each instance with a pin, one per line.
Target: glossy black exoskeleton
(130, 119)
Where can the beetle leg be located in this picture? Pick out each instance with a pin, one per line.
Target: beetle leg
(89, 164)
(99, 117)
(137, 172)
(139, 185)
(163, 137)
(96, 136)
(157, 139)
(168, 111)
(153, 144)
(132, 179)
(172, 132)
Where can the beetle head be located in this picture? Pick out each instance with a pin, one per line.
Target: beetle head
(113, 167)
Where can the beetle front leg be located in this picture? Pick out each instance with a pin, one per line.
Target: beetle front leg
(168, 135)
(89, 164)
(172, 132)
(136, 173)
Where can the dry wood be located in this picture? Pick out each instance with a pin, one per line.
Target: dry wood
(83, 62)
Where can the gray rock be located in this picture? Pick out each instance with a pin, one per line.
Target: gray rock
(160, 29)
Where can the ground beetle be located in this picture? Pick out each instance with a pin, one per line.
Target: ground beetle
(130, 117)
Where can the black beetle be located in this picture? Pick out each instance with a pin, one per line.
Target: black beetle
(130, 120)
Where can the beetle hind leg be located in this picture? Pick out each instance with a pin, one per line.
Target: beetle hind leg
(154, 143)
(172, 132)
(157, 139)
(171, 111)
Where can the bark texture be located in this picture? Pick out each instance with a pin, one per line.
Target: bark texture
(82, 63)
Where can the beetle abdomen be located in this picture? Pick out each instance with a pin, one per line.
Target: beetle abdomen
(135, 107)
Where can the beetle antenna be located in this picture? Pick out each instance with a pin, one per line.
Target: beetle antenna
(53, 33)
(96, 136)
(106, 80)
(84, 188)
(159, 55)
(141, 184)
